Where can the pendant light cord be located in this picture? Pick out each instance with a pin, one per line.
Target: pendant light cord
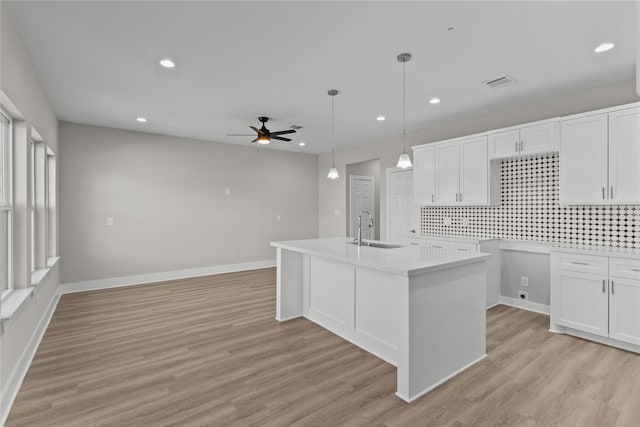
(333, 142)
(404, 107)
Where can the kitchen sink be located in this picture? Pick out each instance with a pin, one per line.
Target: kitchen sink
(378, 245)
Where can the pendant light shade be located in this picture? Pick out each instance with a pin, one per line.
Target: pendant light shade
(404, 161)
(333, 172)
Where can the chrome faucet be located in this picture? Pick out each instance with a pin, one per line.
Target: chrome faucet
(360, 224)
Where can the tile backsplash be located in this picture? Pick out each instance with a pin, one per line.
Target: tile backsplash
(529, 210)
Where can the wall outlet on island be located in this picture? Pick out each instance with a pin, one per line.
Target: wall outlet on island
(446, 221)
(465, 222)
(523, 295)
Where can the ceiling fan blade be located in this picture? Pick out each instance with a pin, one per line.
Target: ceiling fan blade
(239, 134)
(255, 128)
(280, 138)
(282, 132)
(255, 140)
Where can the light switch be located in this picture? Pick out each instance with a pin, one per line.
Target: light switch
(109, 221)
(337, 212)
(227, 192)
(278, 218)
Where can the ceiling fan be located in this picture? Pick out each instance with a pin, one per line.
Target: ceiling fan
(265, 135)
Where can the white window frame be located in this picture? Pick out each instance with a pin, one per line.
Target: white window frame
(6, 211)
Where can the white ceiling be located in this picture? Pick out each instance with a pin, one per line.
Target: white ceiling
(240, 60)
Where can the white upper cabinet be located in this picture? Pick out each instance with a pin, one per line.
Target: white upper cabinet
(524, 140)
(453, 172)
(599, 158)
(424, 176)
(624, 156)
(474, 171)
(448, 173)
(462, 172)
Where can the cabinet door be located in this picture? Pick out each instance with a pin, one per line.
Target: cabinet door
(474, 171)
(624, 156)
(424, 176)
(580, 301)
(539, 138)
(447, 173)
(624, 310)
(583, 160)
(504, 144)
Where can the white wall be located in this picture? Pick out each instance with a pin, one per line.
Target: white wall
(20, 84)
(167, 198)
(332, 193)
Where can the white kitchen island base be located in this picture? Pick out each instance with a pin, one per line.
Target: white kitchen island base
(427, 319)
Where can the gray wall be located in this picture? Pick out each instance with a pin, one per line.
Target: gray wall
(535, 266)
(20, 85)
(166, 196)
(366, 168)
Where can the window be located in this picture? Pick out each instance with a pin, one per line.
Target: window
(32, 213)
(5, 203)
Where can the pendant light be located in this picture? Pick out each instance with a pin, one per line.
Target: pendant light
(404, 161)
(333, 172)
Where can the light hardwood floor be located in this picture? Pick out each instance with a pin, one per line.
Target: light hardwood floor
(208, 352)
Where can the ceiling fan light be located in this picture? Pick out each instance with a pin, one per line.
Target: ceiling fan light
(404, 161)
(333, 173)
(263, 139)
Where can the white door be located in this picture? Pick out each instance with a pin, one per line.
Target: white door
(580, 301)
(403, 213)
(362, 195)
(583, 160)
(539, 138)
(474, 171)
(424, 176)
(447, 173)
(624, 310)
(624, 156)
(504, 144)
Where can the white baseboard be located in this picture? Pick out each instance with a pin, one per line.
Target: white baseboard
(525, 305)
(19, 371)
(140, 279)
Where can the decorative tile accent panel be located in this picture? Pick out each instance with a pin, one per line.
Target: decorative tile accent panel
(529, 210)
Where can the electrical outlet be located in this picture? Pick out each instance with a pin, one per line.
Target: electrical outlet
(446, 221)
(278, 218)
(524, 281)
(465, 222)
(523, 295)
(227, 191)
(109, 221)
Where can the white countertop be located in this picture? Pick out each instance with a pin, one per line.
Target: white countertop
(449, 237)
(596, 250)
(410, 260)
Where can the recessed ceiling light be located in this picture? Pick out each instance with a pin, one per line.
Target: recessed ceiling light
(302, 143)
(142, 119)
(168, 63)
(604, 47)
(434, 101)
(381, 118)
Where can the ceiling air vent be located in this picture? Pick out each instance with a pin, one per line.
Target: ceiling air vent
(501, 81)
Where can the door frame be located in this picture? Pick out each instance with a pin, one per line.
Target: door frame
(364, 178)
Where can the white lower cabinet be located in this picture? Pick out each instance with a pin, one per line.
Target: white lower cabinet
(491, 246)
(599, 295)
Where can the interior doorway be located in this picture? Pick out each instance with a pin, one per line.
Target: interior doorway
(363, 192)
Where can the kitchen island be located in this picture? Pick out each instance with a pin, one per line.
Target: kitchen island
(418, 308)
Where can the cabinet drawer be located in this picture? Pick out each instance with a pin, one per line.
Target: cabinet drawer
(464, 247)
(439, 244)
(583, 263)
(624, 268)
